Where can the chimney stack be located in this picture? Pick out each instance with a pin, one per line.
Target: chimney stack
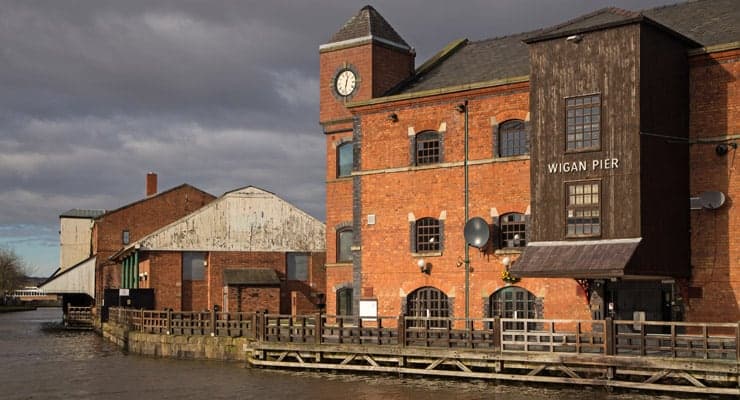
(151, 184)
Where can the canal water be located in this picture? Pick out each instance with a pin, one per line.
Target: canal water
(39, 360)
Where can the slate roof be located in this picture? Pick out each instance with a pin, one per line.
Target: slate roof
(708, 22)
(80, 213)
(251, 277)
(368, 22)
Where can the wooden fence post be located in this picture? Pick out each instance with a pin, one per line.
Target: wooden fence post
(142, 320)
(401, 331)
(341, 330)
(213, 322)
(318, 328)
(609, 338)
(737, 346)
(497, 334)
(255, 320)
(169, 321)
(471, 332)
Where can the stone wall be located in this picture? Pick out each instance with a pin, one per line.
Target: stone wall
(178, 346)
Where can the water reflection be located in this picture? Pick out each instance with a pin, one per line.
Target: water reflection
(39, 360)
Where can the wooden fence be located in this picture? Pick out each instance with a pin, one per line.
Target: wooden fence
(78, 317)
(600, 337)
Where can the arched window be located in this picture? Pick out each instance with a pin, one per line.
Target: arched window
(344, 159)
(512, 139)
(344, 301)
(428, 235)
(513, 302)
(344, 245)
(428, 148)
(428, 302)
(513, 230)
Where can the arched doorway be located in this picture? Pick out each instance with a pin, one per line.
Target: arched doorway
(513, 302)
(427, 302)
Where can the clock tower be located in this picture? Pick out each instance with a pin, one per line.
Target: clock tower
(365, 59)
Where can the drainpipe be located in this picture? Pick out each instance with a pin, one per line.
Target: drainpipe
(467, 200)
(136, 270)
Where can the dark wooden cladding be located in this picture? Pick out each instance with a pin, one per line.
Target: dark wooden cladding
(641, 75)
(604, 62)
(664, 164)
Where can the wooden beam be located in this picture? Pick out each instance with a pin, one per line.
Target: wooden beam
(537, 370)
(436, 363)
(370, 360)
(658, 376)
(691, 379)
(348, 359)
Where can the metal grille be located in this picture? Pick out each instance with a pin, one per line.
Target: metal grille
(583, 122)
(513, 302)
(512, 139)
(513, 230)
(427, 302)
(583, 209)
(427, 235)
(427, 148)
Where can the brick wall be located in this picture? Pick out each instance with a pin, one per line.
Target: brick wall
(715, 248)
(252, 299)
(140, 219)
(165, 276)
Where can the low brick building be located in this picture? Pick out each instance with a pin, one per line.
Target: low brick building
(580, 145)
(249, 250)
(116, 229)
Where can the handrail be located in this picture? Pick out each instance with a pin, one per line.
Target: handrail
(597, 337)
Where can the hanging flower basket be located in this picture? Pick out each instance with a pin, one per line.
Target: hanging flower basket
(507, 277)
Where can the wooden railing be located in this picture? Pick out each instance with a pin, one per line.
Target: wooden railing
(78, 317)
(595, 337)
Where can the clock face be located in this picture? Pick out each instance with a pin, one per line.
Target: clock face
(345, 83)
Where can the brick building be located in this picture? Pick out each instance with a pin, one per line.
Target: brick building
(247, 251)
(118, 228)
(593, 149)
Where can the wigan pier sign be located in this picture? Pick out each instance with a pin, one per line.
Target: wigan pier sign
(582, 166)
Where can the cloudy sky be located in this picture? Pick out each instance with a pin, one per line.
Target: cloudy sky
(219, 94)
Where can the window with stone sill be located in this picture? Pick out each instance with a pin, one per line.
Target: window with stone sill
(512, 139)
(344, 245)
(513, 230)
(427, 235)
(428, 148)
(345, 158)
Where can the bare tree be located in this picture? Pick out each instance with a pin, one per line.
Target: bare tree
(12, 272)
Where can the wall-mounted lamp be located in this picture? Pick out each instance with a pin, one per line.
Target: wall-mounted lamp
(424, 267)
(141, 277)
(460, 108)
(723, 148)
(574, 38)
(146, 275)
(393, 117)
(506, 261)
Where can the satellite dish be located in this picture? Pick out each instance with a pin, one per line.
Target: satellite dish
(712, 200)
(476, 232)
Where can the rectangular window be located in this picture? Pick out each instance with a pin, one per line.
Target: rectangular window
(427, 235)
(583, 122)
(344, 245)
(344, 159)
(125, 237)
(297, 269)
(583, 208)
(427, 148)
(193, 266)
